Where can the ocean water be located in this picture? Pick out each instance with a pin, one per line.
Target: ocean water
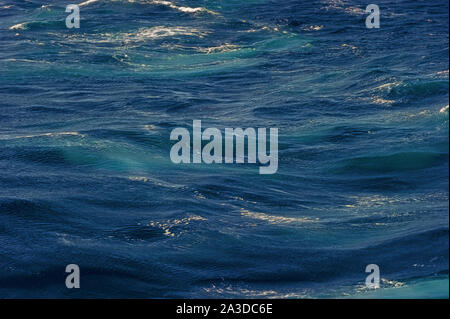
(86, 176)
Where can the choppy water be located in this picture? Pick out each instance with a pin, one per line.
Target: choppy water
(86, 176)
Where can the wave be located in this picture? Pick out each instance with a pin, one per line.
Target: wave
(28, 209)
(396, 162)
(408, 90)
(52, 134)
(162, 3)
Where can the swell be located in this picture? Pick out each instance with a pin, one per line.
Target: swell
(396, 162)
(302, 265)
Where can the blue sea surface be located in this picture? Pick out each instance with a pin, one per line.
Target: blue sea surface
(86, 177)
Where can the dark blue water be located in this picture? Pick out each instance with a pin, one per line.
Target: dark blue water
(86, 176)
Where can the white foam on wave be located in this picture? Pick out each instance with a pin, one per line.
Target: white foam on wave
(26, 61)
(87, 2)
(161, 32)
(57, 134)
(181, 8)
(388, 86)
(163, 3)
(313, 28)
(344, 5)
(227, 47)
(237, 292)
(19, 26)
(138, 36)
(171, 223)
(442, 73)
(379, 100)
(155, 181)
(272, 219)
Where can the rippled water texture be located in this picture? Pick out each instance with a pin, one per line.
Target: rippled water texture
(86, 176)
